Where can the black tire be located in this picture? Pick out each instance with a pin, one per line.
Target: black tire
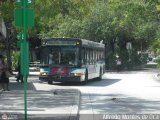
(86, 78)
(50, 82)
(100, 74)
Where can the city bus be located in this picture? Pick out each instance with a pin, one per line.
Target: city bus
(71, 60)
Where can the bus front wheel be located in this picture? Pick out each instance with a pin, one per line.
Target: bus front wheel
(86, 78)
(50, 82)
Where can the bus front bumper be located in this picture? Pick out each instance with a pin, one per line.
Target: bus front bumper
(60, 78)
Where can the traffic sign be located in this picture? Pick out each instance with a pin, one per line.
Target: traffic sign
(20, 2)
(20, 36)
(18, 14)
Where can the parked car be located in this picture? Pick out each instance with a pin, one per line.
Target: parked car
(156, 59)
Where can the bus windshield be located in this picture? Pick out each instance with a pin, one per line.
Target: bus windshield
(60, 55)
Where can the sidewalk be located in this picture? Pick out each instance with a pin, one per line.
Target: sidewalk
(58, 104)
(31, 73)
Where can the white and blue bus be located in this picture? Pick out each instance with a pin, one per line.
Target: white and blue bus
(71, 59)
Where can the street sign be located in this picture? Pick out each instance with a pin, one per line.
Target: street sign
(18, 14)
(20, 36)
(129, 46)
(20, 2)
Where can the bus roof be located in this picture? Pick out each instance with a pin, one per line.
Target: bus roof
(92, 44)
(84, 42)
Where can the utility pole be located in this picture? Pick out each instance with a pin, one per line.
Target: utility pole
(24, 17)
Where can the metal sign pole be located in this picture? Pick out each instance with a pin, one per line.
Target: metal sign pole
(24, 17)
(24, 58)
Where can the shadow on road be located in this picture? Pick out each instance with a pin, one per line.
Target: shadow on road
(19, 86)
(92, 82)
(41, 105)
(121, 104)
(103, 82)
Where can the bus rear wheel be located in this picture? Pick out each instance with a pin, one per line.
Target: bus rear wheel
(100, 74)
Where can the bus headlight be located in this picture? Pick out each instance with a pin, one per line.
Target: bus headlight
(78, 74)
(43, 73)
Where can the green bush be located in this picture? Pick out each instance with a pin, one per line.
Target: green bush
(14, 57)
(158, 61)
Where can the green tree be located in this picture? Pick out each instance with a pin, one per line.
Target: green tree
(116, 22)
(54, 13)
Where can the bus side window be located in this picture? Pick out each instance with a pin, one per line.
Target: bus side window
(85, 52)
(98, 53)
(94, 56)
(90, 56)
(87, 55)
(83, 56)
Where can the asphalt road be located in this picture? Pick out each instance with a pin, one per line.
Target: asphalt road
(127, 92)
